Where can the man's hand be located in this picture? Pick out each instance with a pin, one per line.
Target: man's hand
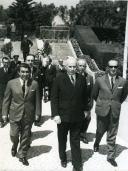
(57, 119)
(4, 118)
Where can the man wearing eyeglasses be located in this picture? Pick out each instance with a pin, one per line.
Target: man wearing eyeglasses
(109, 92)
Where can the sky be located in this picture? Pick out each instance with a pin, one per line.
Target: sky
(69, 3)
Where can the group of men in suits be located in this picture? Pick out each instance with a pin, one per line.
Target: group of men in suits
(71, 101)
(72, 92)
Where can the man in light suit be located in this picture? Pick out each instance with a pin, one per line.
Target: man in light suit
(68, 103)
(22, 104)
(109, 92)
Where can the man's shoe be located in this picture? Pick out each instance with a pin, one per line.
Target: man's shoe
(96, 148)
(112, 162)
(24, 161)
(84, 140)
(64, 164)
(78, 169)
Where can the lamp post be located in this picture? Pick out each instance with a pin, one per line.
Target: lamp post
(125, 47)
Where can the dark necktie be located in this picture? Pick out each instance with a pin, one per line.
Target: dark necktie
(23, 88)
(112, 82)
(72, 80)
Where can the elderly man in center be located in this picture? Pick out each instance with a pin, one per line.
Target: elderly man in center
(68, 103)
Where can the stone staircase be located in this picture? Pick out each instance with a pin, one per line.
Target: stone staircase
(61, 50)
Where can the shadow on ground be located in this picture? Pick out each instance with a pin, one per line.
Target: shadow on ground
(90, 136)
(119, 149)
(35, 151)
(40, 134)
(86, 154)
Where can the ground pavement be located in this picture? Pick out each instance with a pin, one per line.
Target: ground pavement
(43, 154)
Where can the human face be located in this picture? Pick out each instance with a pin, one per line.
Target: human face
(30, 60)
(5, 63)
(112, 68)
(81, 65)
(71, 67)
(24, 73)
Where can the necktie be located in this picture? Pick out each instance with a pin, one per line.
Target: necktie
(23, 88)
(112, 82)
(72, 80)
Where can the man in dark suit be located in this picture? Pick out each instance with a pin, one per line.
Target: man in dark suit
(109, 92)
(25, 46)
(14, 65)
(36, 72)
(81, 64)
(50, 74)
(5, 76)
(22, 104)
(37, 75)
(68, 103)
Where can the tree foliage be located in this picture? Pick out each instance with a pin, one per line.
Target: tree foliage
(21, 12)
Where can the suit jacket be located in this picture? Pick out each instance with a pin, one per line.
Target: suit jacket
(14, 67)
(69, 101)
(4, 78)
(50, 74)
(25, 45)
(89, 82)
(106, 98)
(16, 105)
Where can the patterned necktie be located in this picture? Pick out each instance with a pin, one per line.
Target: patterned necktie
(23, 88)
(72, 80)
(112, 82)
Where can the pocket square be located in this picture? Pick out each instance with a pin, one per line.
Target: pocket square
(119, 87)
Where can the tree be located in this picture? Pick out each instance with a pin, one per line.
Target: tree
(21, 11)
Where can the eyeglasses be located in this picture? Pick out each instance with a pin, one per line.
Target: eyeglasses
(113, 66)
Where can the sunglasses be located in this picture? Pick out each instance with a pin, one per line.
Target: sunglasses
(113, 66)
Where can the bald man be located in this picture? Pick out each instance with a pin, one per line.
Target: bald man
(109, 92)
(68, 103)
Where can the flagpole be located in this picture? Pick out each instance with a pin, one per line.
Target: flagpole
(125, 47)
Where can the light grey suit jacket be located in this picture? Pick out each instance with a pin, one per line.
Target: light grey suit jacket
(106, 98)
(15, 105)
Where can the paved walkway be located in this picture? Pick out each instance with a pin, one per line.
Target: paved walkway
(43, 154)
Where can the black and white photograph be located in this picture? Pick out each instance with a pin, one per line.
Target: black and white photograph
(63, 85)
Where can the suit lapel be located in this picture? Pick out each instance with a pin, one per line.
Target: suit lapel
(108, 82)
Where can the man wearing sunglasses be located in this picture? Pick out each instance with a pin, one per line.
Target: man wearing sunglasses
(109, 92)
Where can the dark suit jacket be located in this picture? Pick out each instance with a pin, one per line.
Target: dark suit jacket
(14, 67)
(107, 98)
(50, 74)
(69, 101)
(4, 78)
(25, 45)
(37, 75)
(16, 105)
(89, 82)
